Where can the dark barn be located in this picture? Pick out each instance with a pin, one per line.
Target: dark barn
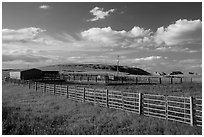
(34, 74)
(31, 74)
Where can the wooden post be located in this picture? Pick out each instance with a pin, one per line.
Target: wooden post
(140, 103)
(54, 89)
(181, 80)
(191, 110)
(107, 98)
(171, 80)
(84, 95)
(44, 87)
(160, 80)
(67, 91)
(94, 96)
(123, 100)
(36, 86)
(96, 79)
(166, 107)
(136, 80)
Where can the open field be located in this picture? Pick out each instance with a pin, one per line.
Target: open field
(185, 89)
(29, 112)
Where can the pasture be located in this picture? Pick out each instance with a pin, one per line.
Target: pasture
(26, 111)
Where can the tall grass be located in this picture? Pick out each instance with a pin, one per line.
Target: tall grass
(29, 112)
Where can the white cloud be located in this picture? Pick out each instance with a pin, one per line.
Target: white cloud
(21, 35)
(99, 13)
(113, 38)
(175, 49)
(44, 7)
(140, 32)
(150, 58)
(182, 32)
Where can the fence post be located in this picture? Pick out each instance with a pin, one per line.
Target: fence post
(181, 80)
(166, 106)
(160, 80)
(191, 110)
(94, 96)
(140, 103)
(36, 86)
(107, 98)
(84, 95)
(44, 87)
(96, 79)
(67, 91)
(171, 80)
(54, 89)
(122, 100)
(136, 80)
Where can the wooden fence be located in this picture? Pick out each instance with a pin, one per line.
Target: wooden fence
(105, 79)
(186, 110)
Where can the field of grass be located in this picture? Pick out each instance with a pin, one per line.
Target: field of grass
(26, 111)
(185, 89)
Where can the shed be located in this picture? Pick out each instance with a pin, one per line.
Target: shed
(26, 74)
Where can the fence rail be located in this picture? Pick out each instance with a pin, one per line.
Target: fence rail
(174, 108)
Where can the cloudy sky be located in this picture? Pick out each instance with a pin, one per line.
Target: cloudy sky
(152, 36)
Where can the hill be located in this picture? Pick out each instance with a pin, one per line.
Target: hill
(96, 68)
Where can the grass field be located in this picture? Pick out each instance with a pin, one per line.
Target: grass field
(185, 89)
(26, 111)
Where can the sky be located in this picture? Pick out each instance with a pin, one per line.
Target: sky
(156, 37)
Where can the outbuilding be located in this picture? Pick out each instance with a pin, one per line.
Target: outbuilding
(26, 74)
(34, 74)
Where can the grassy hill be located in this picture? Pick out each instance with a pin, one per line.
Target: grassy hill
(96, 68)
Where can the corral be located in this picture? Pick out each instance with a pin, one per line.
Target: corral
(110, 78)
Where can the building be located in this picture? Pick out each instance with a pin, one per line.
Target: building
(34, 74)
(26, 74)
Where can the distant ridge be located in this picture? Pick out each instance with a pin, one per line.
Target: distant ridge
(95, 67)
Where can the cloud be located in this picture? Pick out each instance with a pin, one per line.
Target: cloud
(112, 38)
(175, 49)
(20, 46)
(150, 58)
(99, 13)
(177, 37)
(180, 33)
(21, 35)
(24, 58)
(44, 7)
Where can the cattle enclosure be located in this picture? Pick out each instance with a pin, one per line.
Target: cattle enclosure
(186, 110)
(123, 79)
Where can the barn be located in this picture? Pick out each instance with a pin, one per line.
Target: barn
(26, 74)
(34, 74)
